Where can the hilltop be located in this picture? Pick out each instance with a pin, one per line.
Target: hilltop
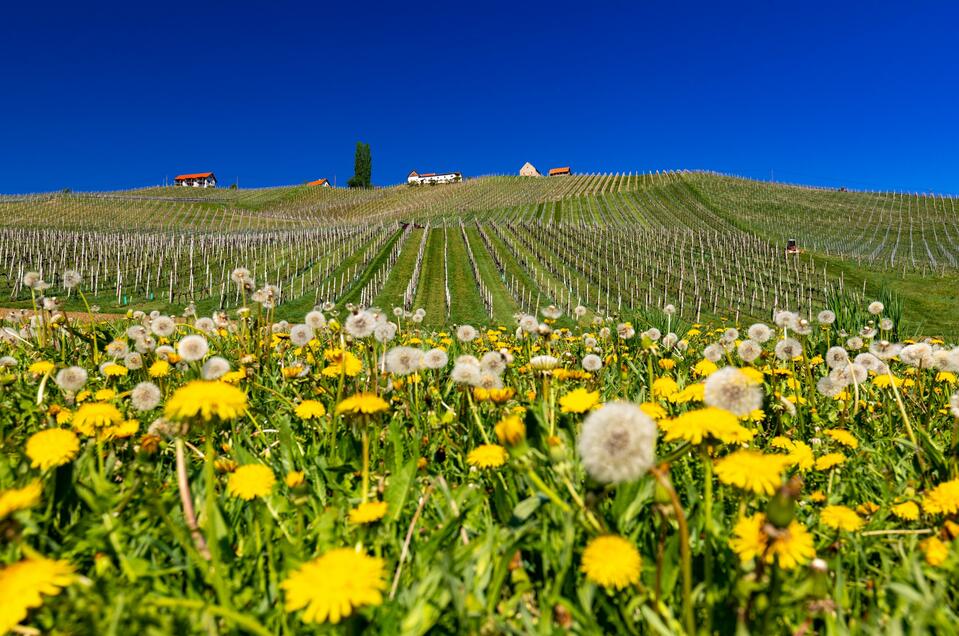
(480, 250)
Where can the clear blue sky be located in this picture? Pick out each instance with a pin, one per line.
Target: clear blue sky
(97, 96)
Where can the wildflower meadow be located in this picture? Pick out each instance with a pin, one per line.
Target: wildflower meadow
(356, 470)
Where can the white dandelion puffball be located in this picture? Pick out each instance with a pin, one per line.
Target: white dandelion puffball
(301, 334)
(466, 333)
(192, 348)
(315, 319)
(529, 324)
(403, 360)
(876, 308)
(215, 368)
(826, 317)
(360, 324)
(71, 379)
(617, 443)
(788, 348)
(713, 352)
(749, 350)
(206, 325)
(465, 373)
(732, 390)
(759, 332)
(836, 357)
(163, 326)
(71, 278)
(385, 331)
(145, 396)
(435, 359)
(592, 362)
(543, 363)
(493, 362)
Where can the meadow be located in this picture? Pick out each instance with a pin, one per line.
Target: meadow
(601, 404)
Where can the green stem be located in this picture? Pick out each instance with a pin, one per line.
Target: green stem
(210, 514)
(546, 490)
(685, 557)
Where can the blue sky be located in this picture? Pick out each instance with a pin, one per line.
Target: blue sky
(121, 95)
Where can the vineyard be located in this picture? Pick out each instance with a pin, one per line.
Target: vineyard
(484, 249)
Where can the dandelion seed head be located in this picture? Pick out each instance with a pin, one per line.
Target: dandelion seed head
(579, 311)
(826, 317)
(732, 390)
(316, 320)
(493, 362)
(749, 350)
(788, 348)
(617, 443)
(465, 373)
(215, 368)
(145, 396)
(403, 360)
(466, 333)
(206, 325)
(71, 278)
(133, 361)
(592, 363)
(836, 357)
(300, 335)
(360, 324)
(625, 331)
(384, 332)
(759, 332)
(71, 379)
(714, 352)
(917, 355)
(528, 323)
(192, 348)
(435, 359)
(163, 326)
(876, 308)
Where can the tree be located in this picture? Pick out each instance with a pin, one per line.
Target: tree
(362, 167)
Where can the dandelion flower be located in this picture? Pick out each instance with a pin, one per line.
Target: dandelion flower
(435, 359)
(830, 460)
(788, 348)
(251, 481)
(330, 587)
(708, 423)
(300, 335)
(206, 400)
(579, 401)
(840, 518)
(310, 410)
(360, 324)
(752, 538)
(876, 308)
(94, 415)
(362, 404)
(617, 443)
(907, 511)
(41, 367)
(943, 499)
(294, 479)
(487, 456)
(24, 584)
(543, 363)
(14, 499)
(51, 448)
(753, 471)
(368, 512)
(163, 326)
(511, 430)
(159, 369)
(935, 550)
(592, 362)
(466, 333)
(759, 332)
(611, 561)
(145, 396)
(843, 437)
(340, 362)
(826, 317)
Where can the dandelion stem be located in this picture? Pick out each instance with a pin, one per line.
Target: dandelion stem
(186, 500)
(685, 557)
(546, 490)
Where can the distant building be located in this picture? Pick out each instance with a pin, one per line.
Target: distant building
(529, 170)
(323, 183)
(196, 180)
(433, 178)
(556, 172)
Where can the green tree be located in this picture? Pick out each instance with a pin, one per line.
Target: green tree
(362, 167)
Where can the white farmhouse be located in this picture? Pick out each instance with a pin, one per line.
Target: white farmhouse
(529, 170)
(196, 180)
(433, 178)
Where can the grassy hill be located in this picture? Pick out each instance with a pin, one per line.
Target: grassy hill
(481, 250)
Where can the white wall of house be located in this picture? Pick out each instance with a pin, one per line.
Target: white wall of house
(448, 177)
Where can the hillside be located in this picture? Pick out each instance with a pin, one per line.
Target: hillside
(486, 248)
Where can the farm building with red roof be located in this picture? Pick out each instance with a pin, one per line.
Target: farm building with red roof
(196, 180)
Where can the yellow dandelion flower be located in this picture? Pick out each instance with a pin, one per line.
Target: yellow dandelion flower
(817, 496)
(250, 481)
(907, 511)
(753, 374)
(936, 551)
(943, 499)
(24, 584)
(692, 393)
(52, 447)
(510, 430)
(95, 415)
(104, 395)
(667, 364)
(653, 410)
(753, 471)
(64, 416)
(310, 409)
(487, 456)
(840, 518)
(801, 456)
(332, 586)
(206, 400)
(830, 460)
(706, 423)
(867, 508)
(41, 367)
(341, 362)
(114, 370)
(233, 377)
(123, 430)
(159, 369)
(664, 387)
(579, 401)
(946, 376)
(362, 404)
(843, 437)
(294, 479)
(705, 368)
(14, 499)
(611, 561)
(752, 538)
(368, 512)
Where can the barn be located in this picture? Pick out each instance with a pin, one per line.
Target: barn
(433, 178)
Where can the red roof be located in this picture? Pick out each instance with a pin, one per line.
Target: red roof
(555, 171)
(195, 175)
(318, 182)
